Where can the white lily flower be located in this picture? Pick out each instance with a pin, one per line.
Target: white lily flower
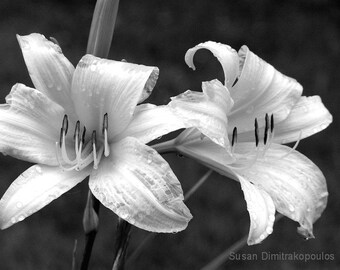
(272, 176)
(98, 101)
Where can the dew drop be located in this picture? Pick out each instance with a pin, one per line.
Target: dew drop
(149, 159)
(13, 220)
(124, 214)
(38, 169)
(269, 230)
(21, 218)
(291, 208)
(19, 205)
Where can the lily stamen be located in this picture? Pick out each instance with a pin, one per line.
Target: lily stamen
(267, 141)
(85, 153)
(79, 152)
(256, 132)
(233, 140)
(76, 137)
(106, 144)
(96, 156)
(266, 128)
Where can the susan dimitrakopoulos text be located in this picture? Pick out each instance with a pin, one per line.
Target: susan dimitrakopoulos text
(281, 256)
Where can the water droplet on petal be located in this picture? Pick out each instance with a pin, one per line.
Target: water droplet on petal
(38, 169)
(149, 158)
(19, 205)
(291, 208)
(269, 230)
(124, 214)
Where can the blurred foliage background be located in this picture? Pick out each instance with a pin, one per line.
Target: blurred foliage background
(299, 38)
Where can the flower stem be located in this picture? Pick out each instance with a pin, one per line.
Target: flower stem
(224, 256)
(165, 147)
(99, 43)
(92, 206)
(122, 240)
(195, 187)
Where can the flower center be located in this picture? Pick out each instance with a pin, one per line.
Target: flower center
(248, 159)
(85, 152)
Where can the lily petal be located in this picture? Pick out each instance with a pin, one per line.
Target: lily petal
(309, 116)
(30, 125)
(35, 188)
(150, 122)
(226, 55)
(49, 69)
(296, 185)
(102, 86)
(138, 185)
(261, 210)
(260, 89)
(206, 111)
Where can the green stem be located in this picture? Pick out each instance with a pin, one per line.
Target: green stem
(195, 187)
(165, 147)
(90, 236)
(122, 240)
(99, 43)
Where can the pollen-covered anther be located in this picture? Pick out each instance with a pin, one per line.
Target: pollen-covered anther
(256, 125)
(233, 139)
(266, 128)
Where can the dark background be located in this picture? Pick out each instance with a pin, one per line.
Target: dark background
(299, 38)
